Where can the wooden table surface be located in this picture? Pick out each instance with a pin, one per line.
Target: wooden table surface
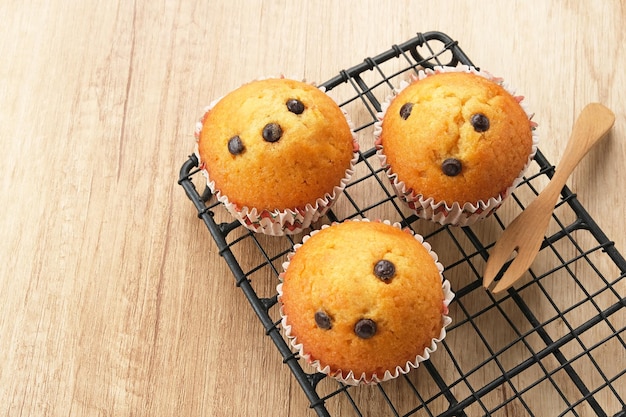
(114, 301)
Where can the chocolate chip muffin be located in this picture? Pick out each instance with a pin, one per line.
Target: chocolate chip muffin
(277, 152)
(455, 142)
(364, 301)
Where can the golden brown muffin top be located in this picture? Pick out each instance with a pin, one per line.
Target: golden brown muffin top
(336, 286)
(275, 144)
(456, 136)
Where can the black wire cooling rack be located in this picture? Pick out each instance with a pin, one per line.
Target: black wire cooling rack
(543, 348)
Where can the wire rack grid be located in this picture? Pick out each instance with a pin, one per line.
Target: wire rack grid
(536, 350)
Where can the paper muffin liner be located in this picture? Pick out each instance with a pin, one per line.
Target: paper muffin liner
(278, 222)
(348, 377)
(443, 212)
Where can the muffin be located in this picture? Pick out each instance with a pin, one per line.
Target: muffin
(277, 152)
(364, 301)
(455, 142)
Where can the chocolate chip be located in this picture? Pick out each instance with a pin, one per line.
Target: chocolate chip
(451, 167)
(272, 132)
(384, 269)
(235, 145)
(295, 106)
(365, 328)
(405, 110)
(480, 122)
(322, 320)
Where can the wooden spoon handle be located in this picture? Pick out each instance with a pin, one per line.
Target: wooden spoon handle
(593, 123)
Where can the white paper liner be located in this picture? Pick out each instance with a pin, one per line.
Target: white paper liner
(349, 378)
(279, 222)
(444, 212)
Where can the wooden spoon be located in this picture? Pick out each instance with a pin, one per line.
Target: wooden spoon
(525, 234)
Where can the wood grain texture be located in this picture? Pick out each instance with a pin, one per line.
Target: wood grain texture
(113, 298)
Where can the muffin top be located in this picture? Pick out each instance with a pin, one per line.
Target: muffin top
(364, 297)
(275, 144)
(456, 137)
